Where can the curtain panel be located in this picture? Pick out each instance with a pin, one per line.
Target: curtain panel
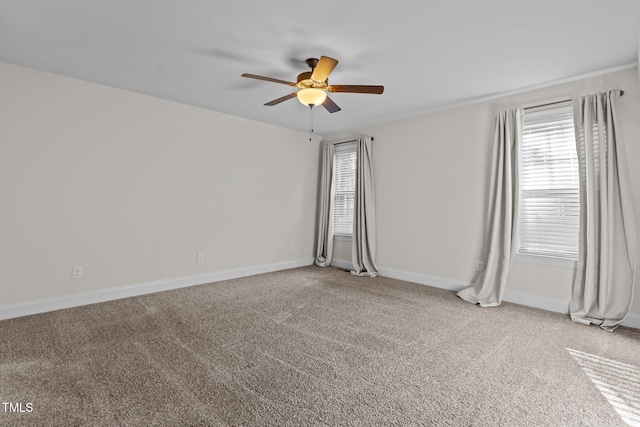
(488, 289)
(324, 233)
(363, 244)
(605, 275)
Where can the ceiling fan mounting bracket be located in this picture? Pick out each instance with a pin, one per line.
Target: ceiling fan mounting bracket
(312, 62)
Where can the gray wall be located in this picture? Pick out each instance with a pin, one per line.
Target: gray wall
(132, 187)
(431, 176)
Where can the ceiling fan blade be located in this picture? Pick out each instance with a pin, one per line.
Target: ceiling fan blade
(281, 99)
(330, 105)
(268, 79)
(356, 89)
(324, 67)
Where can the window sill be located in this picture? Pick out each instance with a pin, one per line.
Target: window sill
(345, 237)
(546, 260)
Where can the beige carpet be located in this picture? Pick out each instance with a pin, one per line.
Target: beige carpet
(314, 346)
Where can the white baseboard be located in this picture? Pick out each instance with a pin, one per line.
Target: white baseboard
(50, 304)
(545, 303)
(550, 304)
(341, 263)
(632, 321)
(423, 279)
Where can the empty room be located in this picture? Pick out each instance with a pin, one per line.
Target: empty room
(344, 213)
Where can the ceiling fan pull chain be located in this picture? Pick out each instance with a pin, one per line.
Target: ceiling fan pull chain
(310, 121)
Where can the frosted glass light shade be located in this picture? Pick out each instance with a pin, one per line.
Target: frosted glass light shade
(311, 96)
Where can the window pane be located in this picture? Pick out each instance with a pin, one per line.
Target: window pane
(344, 185)
(549, 185)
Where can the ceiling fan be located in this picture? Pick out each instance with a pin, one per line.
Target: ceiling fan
(313, 85)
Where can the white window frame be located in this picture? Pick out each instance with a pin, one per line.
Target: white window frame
(340, 148)
(533, 257)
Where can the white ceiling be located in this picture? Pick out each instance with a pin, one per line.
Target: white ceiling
(428, 54)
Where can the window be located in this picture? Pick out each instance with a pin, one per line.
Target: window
(344, 187)
(549, 184)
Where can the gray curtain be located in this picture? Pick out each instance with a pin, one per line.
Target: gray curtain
(603, 286)
(488, 289)
(363, 245)
(324, 250)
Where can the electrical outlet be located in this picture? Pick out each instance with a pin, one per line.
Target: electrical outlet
(293, 247)
(76, 272)
(200, 257)
(479, 265)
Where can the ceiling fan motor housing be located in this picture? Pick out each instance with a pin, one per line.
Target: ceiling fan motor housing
(305, 82)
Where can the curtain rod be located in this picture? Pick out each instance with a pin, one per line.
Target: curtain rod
(347, 142)
(559, 102)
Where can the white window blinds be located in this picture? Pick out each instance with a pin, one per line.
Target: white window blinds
(344, 186)
(549, 184)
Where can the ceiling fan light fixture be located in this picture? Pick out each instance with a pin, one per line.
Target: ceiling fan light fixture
(311, 96)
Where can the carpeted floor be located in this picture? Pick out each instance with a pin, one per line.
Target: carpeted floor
(314, 346)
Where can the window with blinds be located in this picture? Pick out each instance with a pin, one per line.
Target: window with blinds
(344, 186)
(549, 183)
